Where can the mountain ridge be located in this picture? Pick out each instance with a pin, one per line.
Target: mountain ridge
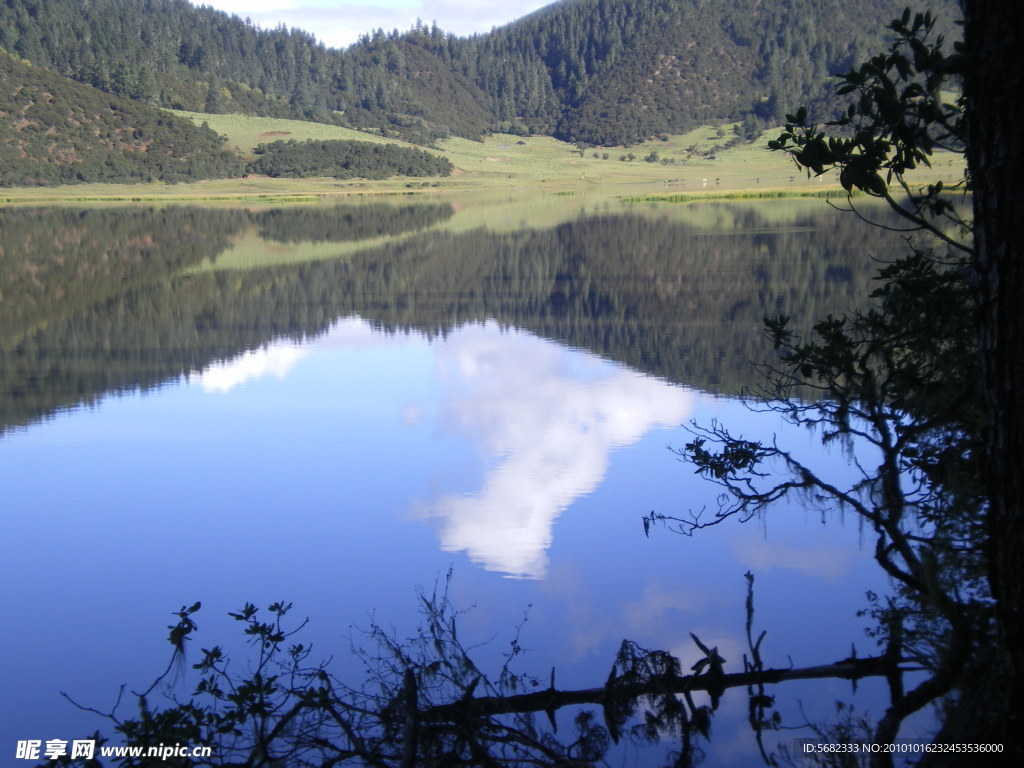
(597, 72)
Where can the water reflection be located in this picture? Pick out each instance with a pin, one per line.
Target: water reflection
(148, 300)
(276, 360)
(267, 433)
(544, 424)
(541, 422)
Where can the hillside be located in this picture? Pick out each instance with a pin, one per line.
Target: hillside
(602, 72)
(168, 53)
(620, 71)
(54, 130)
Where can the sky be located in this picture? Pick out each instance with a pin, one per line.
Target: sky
(338, 23)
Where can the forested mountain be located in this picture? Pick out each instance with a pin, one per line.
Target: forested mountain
(169, 53)
(599, 71)
(54, 130)
(619, 71)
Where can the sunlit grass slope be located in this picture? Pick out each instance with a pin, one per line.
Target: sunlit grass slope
(245, 132)
(695, 165)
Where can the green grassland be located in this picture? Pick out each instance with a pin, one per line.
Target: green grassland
(507, 161)
(503, 183)
(697, 165)
(244, 133)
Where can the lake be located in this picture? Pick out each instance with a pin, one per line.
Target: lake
(336, 404)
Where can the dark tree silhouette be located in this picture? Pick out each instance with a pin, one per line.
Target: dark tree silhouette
(905, 377)
(995, 107)
(426, 701)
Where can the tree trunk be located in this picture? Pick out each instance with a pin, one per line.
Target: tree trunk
(994, 87)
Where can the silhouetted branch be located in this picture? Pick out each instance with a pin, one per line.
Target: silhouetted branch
(846, 669)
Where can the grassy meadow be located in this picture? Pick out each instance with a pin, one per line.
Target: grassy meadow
(502, 183)
(692, 166)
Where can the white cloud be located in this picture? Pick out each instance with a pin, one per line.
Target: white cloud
(546, 420)
(339, 23)
(276, 360)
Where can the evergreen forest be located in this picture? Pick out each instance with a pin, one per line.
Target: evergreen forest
(345, 160)
(56, 131)
(601, 72)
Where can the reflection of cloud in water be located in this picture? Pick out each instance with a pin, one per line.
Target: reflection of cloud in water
(648, 615)
(276, 360)
(545, 419)
(657, 610)
(279, 358)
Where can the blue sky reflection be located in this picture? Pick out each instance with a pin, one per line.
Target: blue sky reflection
(541, 420)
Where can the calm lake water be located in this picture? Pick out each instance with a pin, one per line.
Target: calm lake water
(336, 404)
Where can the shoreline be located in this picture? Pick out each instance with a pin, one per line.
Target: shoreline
(317, 190)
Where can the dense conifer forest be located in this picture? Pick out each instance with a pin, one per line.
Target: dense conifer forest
(603, 72)
(345, 160)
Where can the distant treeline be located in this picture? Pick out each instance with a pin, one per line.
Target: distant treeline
(345, 160)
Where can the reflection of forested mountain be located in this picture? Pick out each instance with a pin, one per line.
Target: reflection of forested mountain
(96, 301)
(347, 223)
(57, 261)
(89, 303)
